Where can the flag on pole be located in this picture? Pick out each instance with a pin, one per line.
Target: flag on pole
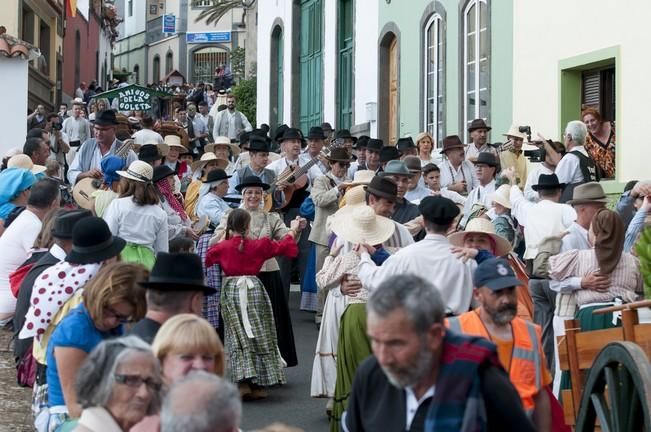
(72, 8)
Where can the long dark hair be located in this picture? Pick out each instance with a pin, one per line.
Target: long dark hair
(142, 193)
(238, 222)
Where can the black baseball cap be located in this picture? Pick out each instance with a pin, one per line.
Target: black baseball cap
(495, 274)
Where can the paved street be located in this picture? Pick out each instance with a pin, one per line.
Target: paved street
(290, 403)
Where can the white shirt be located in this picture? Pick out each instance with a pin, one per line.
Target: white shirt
(15, 244)
(577, 238)
(430, 258)
(147, 136)
(281, 164)
(413, 404)
(466, 171)
(77, 129)
(472, 151)
(417, 193)
(231, 130)
(479, 195)
(213, 207)
(141, 225)
(543, 219)
(305, 157)
(532, 179)
(57, 252)
(568, 169)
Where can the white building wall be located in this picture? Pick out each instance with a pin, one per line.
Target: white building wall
(536, 60)
(137, 22)
(13, 87)
(330, 58)
(366, 61)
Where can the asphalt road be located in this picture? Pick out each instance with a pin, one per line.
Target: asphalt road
(291, 403)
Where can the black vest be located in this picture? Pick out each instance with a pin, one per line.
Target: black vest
(589, 171)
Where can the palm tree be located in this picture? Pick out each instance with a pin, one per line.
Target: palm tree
(213, 13)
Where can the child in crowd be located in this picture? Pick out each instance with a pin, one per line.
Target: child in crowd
(182, 244)
(432, 178)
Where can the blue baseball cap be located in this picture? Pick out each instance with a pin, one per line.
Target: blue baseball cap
(495, 274)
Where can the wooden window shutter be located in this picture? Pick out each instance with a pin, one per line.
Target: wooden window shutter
(591, 89)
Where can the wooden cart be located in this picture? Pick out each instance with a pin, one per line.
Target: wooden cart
(610, 373)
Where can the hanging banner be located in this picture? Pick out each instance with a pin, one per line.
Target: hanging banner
(169, 24)
(134, 99)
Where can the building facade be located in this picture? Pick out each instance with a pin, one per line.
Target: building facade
(161, 36)
(40, 23)
(317, 62)
(577, 64)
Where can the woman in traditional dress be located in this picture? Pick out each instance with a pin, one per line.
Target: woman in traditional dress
(200, 170)
(254, 360)
(137, 216)
(269, 225)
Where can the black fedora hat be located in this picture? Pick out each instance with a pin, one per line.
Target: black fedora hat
(92, 242)
(258, 144)
(546, 182)
(280, 130)
(216, 175)
(105, 118)
(486, 158)
(389, 153)
(316, 133)
(362, 141)
(149, 153)
(451, 142)
(326, 127)
(405, 143)
(177, 272)
(374, 144)
(65, 223)
(339, 154)
(383, 187)
(161, 172)
(345, 134)
(478, 124)
(291, 133)
(251, 181)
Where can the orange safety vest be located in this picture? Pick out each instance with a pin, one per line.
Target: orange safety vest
(525, 370)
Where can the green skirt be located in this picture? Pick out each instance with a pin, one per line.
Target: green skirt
(140, 254)
(353, 347)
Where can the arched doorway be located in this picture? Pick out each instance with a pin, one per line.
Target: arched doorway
(276, 100)
(205, 61)
(389, 65)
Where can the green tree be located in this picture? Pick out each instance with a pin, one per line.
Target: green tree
(218, 8)
(238, 63)
(246, 93)
(643, 249)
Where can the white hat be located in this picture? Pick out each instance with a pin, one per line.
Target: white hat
(364, 226)
(12, 152)
(78, 101)
(481, 226)
(502, 196)
(222, 140)
(515, 132)
(139, 171)
(25, 162)
(208, 157)
(362, 177)
(174, 141)
(355, 195)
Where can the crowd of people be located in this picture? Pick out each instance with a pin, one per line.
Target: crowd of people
(146, 269)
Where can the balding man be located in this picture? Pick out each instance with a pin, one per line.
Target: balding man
(202, 402)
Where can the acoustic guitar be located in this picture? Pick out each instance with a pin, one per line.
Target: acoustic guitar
(295, 178)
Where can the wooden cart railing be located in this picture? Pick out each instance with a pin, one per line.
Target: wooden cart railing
(613, 360)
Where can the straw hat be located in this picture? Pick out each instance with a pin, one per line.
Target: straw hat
(514, 131)
(502, 196)
(222, 140)
(208, 157)
(355, 195)
(25, 162)
(174, 141)
(139, 171)
(362, 177)
(482, 226)
(364, 226)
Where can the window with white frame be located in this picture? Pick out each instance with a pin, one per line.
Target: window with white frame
(202, 3)
(476, 59)
(433, 74)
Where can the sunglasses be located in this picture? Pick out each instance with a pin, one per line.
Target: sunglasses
(135, 381)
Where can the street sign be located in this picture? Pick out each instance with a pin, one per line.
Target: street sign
(169, 24)
(208, 37)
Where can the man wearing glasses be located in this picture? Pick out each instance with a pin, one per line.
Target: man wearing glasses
(89, 157)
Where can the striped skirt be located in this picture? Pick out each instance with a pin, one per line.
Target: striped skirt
(249, 332)
(213, 275)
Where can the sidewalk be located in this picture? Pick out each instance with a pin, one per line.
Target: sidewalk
(15, 409)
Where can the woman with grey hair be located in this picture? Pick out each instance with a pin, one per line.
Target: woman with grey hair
(118, 385)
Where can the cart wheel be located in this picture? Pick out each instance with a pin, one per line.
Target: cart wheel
(617, 391)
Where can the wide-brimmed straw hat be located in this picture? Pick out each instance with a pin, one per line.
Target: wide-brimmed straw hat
(361, 177)
(514, 131)
(354, 195)
(481, 226)
(360, 224)
(208, 157)
(225, 141)
(502, 196)
(25, 162)
(174, 141)
(139, 171)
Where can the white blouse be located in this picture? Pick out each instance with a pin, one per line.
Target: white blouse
(140, 225)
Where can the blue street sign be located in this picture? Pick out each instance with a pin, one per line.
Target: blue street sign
(169, 24)
(223, 36)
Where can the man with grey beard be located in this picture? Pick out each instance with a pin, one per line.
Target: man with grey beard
(519, 347)
(422, 377)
